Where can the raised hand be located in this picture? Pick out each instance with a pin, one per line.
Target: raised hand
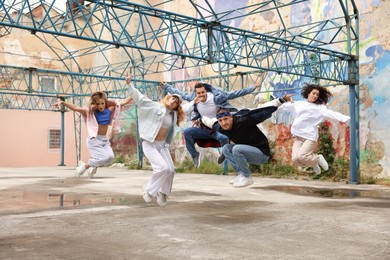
(196, 100)
(288, 97)
(258, 84)
(128, 78)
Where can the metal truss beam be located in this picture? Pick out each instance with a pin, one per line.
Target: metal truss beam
(130, 25)
(21, 87)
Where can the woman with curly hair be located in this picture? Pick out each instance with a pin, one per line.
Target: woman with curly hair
(307, 116)
(98, 115)
(157, 121)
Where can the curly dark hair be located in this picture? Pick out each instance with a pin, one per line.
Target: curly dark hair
(323, 97)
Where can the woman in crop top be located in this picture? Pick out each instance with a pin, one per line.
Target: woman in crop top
(98, 115)
(308, 114)
(157, 122)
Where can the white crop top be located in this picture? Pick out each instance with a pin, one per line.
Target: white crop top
(167, 120)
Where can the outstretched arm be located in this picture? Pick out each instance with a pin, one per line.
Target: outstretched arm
(70, 106)
(277, 102)
(126, 101)
(224, 96)
(265, 111)
(335, 115)
(170, 89)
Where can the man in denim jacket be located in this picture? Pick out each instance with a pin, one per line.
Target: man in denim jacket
(206, 100)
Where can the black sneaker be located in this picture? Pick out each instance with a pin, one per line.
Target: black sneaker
(221, 158)
(196, 160)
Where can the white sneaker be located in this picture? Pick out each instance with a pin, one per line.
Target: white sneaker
(322, 162)
(92, 171)
(236, 179)
(80, 169)
(243, 181)
(161, 199)
(317, 169)
(147, 197)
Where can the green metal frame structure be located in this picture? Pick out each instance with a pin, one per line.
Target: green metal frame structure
(151, 42)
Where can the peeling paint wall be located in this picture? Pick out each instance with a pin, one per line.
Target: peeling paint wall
(374, 82)
(374, 70)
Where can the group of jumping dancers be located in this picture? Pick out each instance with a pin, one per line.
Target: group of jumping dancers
(241, 139)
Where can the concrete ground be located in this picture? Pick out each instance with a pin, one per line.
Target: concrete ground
(46, 213)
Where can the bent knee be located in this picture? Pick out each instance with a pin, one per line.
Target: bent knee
(188, 131)
(295, 161)
(166, 170)
(225, 149)
(300, 160)
(237, 149)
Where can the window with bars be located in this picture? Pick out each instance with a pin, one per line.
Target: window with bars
(47, 85)
(54, 138)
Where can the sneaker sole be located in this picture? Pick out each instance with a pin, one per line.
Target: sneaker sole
(198, 164)
(241, 186)
(91, 174)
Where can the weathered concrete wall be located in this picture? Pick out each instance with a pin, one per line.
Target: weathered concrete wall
(374, 87)
(24, 139)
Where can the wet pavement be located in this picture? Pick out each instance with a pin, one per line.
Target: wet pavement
(47, 213)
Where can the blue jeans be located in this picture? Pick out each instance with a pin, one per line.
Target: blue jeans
(192, 133)
(239, 155)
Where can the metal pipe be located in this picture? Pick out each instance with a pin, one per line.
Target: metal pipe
(62, 142)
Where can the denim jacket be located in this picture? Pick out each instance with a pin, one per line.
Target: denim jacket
(220, 97)
(150, 114)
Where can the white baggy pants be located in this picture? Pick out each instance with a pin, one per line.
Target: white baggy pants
(162, 165)
(100, 151)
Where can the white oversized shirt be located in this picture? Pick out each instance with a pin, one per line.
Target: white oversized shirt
(307, 116)
(208, 108)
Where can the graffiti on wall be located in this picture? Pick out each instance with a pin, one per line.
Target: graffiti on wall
(374, 70)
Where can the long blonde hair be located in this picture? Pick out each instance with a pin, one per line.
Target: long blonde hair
(180, 113)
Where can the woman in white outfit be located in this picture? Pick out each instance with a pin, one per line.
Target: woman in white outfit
(157, 121)
(307, 116)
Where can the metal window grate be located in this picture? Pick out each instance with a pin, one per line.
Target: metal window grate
(54, 138)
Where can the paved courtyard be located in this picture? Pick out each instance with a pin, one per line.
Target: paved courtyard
(46, 213)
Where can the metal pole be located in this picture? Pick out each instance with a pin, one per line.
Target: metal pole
(353, 82)
(62, 144)
(352, 136)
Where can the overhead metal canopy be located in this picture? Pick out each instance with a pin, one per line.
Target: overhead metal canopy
(152, 40)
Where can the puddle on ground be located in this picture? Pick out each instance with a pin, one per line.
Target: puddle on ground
(24, 177)
(22, 201)
(331, 193)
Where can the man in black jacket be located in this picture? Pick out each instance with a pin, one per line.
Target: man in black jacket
(208, 100)
(248, 143)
